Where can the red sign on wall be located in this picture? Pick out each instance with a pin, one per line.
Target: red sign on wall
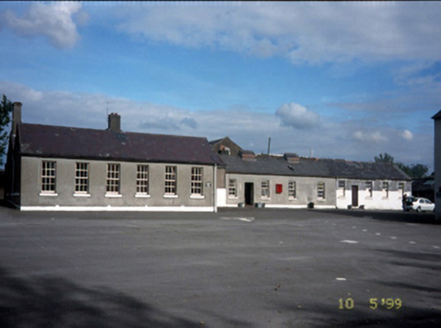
(279, 188)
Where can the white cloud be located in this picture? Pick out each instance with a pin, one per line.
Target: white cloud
(54, 21)
(369, 136)
(297, 116)
(302, 32)
(407, 135)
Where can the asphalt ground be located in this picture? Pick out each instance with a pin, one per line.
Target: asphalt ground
(235, 268)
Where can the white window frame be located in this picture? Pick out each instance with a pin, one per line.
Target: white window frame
(401, 186)
(142, 180)
(232, 188)
(113, 179)
(82, 178)
(171, 181)
(369, 191)
(265, 189)
(197, 182)
(341, 191)
(49, 178)
(321, 190)
(292, 190)
(385, 186)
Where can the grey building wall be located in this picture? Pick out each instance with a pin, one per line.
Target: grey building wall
(306, 191)
(31, 195)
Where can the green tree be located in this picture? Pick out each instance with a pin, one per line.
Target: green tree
(5, 119)
(415, 171)
(384, 158)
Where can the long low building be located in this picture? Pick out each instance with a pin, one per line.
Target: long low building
(64, 168)
(290, 181)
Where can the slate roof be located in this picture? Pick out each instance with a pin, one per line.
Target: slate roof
(312, 167)
(79, 143)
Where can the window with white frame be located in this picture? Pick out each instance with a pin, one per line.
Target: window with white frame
(170, 180)
(82, 178)
(341, 191)
(321, 191)
(369, 187)
(265, 187)
(142, 180)
(197, 181)
(292, 190)
(48, 177)
(385, 189)
(232, 188)
(401, 189)
(113, 185)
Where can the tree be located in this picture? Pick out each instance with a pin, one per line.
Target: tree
(5, 119)
(384, 158)
(415, 171)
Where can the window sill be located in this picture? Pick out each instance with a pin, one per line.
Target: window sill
(113, 195)
(233, 197)
(197, 197)
(292, 198)
(142, 196)
(170, 196)
(47, 194)
(81, 195)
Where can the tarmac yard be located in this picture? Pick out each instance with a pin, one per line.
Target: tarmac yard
(235, 268)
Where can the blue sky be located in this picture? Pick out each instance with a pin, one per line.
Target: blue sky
(336, 80)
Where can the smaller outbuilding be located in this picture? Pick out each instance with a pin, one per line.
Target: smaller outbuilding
(291, 181)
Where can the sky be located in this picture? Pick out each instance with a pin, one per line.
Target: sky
(335, 80)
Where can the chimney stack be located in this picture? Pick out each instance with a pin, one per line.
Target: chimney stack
(114, 121)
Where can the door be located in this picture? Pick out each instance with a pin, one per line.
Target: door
(354, 196)
(249, 193)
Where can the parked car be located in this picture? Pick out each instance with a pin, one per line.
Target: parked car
(418, 204)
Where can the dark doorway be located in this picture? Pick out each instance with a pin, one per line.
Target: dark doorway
(354, 196)
(249, 193)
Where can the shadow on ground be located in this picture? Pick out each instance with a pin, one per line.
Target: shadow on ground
(56, 302)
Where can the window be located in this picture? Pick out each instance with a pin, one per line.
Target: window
(82, 178)
(170, 180)
(265, 189)
(321, 190)
(341, 188)
(385, 189)
(292, 190)
(196, 180)
(401, 189)
(48, 177)
(232, 188)
(113, 178)
(142, 180)
(369, 186)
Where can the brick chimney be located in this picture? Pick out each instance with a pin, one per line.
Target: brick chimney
(114, 121)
